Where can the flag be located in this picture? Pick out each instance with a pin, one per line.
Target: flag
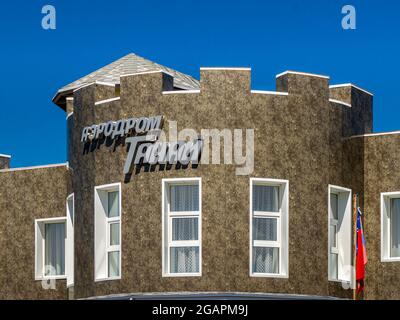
(361, 253)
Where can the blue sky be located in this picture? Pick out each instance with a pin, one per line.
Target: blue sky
(268, 36)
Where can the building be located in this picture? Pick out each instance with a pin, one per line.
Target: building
(97, 227)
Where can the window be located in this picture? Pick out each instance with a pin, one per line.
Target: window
(339, 234)
(182, 227)
(390, 226)
(50, 238)
(333, 225)
(108, 232)
(269, 210)
(69, 245)
(113, 228)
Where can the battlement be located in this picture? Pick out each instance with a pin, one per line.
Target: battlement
(4, 161)
(118, 85)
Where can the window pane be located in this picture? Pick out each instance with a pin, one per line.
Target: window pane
(54, 249)
(113, 264)
(265, 229)
(185, 229)
(265, 198)
(184, 197)
(334, 206)
(333, 267)
(184, 259)
(332, 242)
(113, 204)
(395, 228)
(114, 234)
(265, 260)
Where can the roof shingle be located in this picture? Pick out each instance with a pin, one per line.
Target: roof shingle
(128, 64)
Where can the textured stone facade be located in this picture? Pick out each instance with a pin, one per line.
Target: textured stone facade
(26, 195)
(303, 137)
(291, 142)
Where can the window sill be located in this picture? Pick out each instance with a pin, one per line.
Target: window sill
(63, 277)
(107, 279)
(340, 281)
(269, 275)
(177, 275)
(397, 259)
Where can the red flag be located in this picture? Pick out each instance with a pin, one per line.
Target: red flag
(361, 254)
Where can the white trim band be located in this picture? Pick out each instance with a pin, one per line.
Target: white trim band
(181, 91)
(302, 74)
(110, 84)
(350, 85)
(35, 167)
(226, 68)
(340, 102)
(106, 101)
(5, 156)
(376, 134)
(270, 92)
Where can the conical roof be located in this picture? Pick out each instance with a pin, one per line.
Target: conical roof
(129, 64)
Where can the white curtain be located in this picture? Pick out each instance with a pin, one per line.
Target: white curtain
(265, 229)
(184, 198)
(184, 259)
(265, 260)
(185, 229)
(265, 198)
(54, 248)
(395, 228)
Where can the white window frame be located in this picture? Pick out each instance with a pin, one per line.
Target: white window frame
(282, 227)
(69, 245)
(167, 217)
(335, 223)
(386, 226)
(102, 237)
(343, 234)
(40, 248)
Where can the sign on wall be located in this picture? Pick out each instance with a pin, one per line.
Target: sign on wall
(142, 135)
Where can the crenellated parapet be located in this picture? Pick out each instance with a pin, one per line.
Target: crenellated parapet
(361, 102)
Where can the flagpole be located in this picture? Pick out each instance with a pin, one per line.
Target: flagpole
(355, 244)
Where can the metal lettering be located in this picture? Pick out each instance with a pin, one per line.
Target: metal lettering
(119, 129)
(85, 134)
(100, 130)
(109, 128)
(153, 123)
(141, 125)
(130, 124)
